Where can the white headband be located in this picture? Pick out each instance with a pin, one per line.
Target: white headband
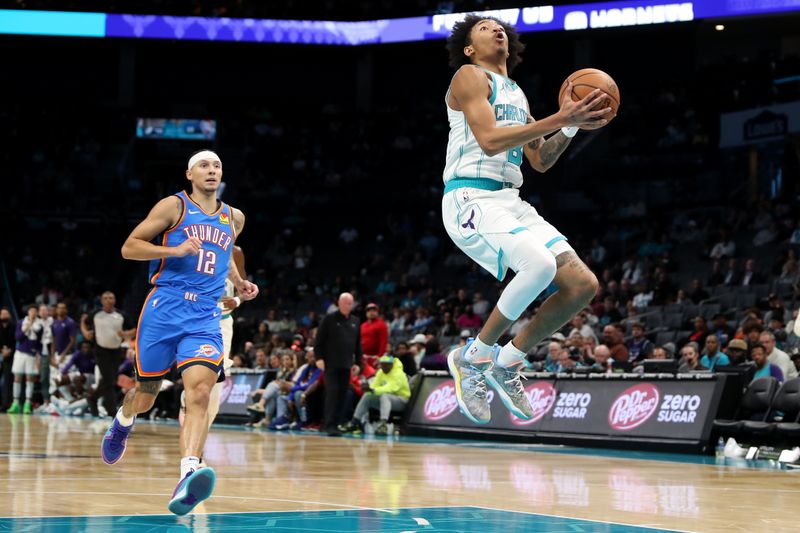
(205, 154)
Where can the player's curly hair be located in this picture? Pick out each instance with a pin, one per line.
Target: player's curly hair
(460, 37)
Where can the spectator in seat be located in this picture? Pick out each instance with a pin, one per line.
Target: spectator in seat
(609, 312)
(776, 356)
(725, 247)
(643, 297)
(613, 336)
(716, 277)
(639, 347)
(580, 325)
(602, 355)
(766, 235)
(553, 355)
(731, 274)
(776, 310)
(660, 353)
(387, 285)
(598, 253)
(261, 362)
(690, 359)
(388, 392)
(419, 267)
(737, 352)
(700, 331)
(480, 305)
(434, 358)
(721, 329)
(751, 331)
(290, 406)
(423, 321)
(750, 276)
(448, 328)
(790, 274)
(697, 293)
(469, 320)
(402, 353)
(416, 347)
(267, 403)
(763, 367)
(712, 357)
(374, 335)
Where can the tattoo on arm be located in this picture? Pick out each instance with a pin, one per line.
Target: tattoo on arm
(553, 148)
(534, 144)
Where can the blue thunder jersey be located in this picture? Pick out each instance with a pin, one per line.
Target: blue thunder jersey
(466, 159)
(203, 274)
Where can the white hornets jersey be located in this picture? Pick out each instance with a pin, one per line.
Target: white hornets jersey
(465, 159)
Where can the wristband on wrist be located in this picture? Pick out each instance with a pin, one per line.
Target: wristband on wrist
(570, 131)
(237, 300)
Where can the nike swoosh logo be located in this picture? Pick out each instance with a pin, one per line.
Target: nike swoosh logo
(216, 314)
(193, 212)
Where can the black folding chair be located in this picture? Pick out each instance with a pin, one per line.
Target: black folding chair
(757, 399)
(786, 404)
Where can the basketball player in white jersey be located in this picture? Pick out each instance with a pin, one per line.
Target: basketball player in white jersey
(227, 304)
(490, 131)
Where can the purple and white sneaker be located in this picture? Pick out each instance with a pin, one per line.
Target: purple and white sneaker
(113, 446)
(192, 489)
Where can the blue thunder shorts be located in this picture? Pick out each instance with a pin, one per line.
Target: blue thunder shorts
(177, 327)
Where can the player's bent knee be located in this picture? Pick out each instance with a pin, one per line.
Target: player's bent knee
(583, 287)
(199, 396)
(587, 286)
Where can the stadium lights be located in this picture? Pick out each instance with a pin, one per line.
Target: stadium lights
(586, 16)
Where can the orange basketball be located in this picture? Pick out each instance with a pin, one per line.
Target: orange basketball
(587, 80)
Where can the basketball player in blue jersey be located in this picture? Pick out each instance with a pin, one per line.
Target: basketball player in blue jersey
(180, 319)
(491, 129)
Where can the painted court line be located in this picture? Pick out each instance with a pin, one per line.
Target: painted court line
(606, 522)
(390, 510)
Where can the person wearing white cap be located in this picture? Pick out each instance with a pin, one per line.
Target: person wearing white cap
(180, 319)
(416, 346)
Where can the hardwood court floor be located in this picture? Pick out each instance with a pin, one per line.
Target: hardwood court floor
(51, 467)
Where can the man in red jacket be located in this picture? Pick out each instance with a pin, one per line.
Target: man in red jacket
(374, 335)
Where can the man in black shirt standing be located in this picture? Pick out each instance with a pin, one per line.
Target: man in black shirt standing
(338, 348)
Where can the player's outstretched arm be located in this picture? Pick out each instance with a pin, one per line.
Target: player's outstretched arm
(246, 289)
(163, 216)
(469, 89)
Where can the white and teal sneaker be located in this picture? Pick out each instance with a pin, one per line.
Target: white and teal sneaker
(470, 384)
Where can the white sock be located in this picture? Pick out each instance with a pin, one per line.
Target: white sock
(478, 352)
(189, 464)
(510, 355)
(124, 420)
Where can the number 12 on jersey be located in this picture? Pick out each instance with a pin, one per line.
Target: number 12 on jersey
(206, 262)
